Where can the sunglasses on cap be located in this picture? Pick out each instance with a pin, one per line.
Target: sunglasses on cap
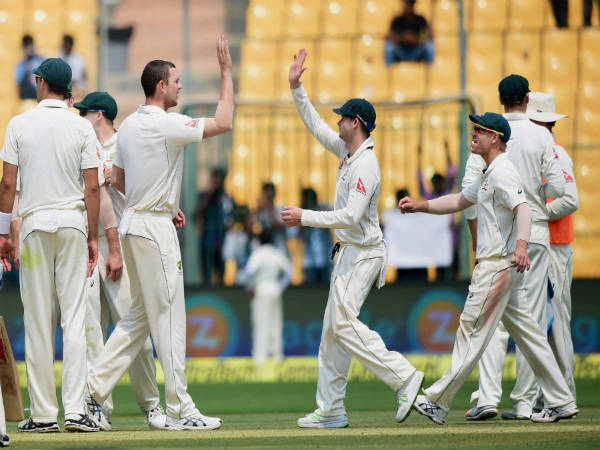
(480, 129)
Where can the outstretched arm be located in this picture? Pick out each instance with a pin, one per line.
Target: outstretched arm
(223, 120)
(317, 126)
(447, 204)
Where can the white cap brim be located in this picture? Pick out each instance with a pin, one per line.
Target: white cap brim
(545, 116)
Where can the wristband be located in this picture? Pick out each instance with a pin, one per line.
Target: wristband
(5, 219)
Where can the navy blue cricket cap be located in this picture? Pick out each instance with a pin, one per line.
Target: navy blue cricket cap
(359, 108)
(55, 71)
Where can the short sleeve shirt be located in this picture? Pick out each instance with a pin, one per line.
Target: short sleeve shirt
(150, 147)
(51, 146)
(416, 24)
(496, 192)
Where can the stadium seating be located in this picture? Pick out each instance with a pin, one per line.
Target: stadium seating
(527, 14)
(484, 68)
(522, 55)
(445, 17)
(257, 72)
(264, 19)
(368, 48)
(408, 81)
(371, 81)
(589, 51)
(301, 19)
(444, 73)
(376, 15)
(486, 15)
(285, 55)
(334, 70)
(340, 18)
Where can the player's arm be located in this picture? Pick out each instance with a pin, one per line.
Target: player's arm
(118, 179)
(554, 186)
(523, 215)
(309, 115)
(8, 186)
(446, 204)
(568, 203)
(92, 205)
(114, 261)
(15, 231)
(223, 120)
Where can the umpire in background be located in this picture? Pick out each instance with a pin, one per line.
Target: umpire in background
(52, 148)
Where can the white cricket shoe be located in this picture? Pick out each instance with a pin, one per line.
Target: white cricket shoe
(430, 409)
(95, 413)
(156, 418)
(4, 440)
(314, 420)
(195, 422)
(407, 395)
(555, 414)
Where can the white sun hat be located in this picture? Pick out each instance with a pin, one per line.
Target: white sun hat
(541, 107)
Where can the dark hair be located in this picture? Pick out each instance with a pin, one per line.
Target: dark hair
(438, 178)
(512, 100)
(27, 40)
(401, 193)
(155, 71)
(68, 39)
(62, 91)
(265, 237)
(270, 186)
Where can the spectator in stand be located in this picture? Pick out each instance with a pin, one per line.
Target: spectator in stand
(560, 8)
(317, 243)
(410, 37)
(267, 215)
(414, 274)
(77, 63)
(214, 215)
(237, 241)
(587, 11)
(24, 69)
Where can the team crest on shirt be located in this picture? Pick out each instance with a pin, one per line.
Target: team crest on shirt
(568, 177)
(360, 187)
(343, 161)
(179, 266)
(192, 123)
(484, 187)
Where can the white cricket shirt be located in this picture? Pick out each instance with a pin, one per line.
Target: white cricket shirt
(51, 146)
(496, 192)
(107, 155)
(150, 146)
(354, 214)
(268, 265)
(568, 203)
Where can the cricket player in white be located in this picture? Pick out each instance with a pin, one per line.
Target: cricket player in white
(109, 297)
(496, 292)
(541, 110)
(4, 438)
(51, 148)
(530, 149)
(148, 168)
(267, 274)
(359, 263)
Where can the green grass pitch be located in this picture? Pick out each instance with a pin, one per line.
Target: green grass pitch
(263, 416)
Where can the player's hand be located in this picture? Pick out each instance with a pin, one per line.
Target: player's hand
(17, 257)
(407, 205)
(520, 257)
(223, 54)
(296, 69)
(107, 173)
(7, 251)
(114, 265)
(291, 216)
(179, 220)
(92, 256)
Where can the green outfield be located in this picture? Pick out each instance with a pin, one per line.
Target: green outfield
(263, 415)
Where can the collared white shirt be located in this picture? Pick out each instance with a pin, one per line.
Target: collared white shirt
(354, 216)
(51, 146)
(150, 150)
(568, 203)
(268, 265)
(496, 192)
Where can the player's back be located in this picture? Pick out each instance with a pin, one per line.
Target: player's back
(267, 264)
(53, 145)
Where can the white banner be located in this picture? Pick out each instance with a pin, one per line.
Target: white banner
(418, 240)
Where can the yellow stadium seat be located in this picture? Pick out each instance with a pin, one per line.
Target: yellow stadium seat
(527, 14)
(588, 132)
(286, 51)
(559, 57)
(12, 15)
(589, 51)
(445, 16)
(302, 18)
(487, 15)
(334, 70)
(264, 19)
(575, 17)
(564, 96)
(408, 81)
(522, 55)
(369, 49)
(424, 8)
(484, 68)
(376, 16)
(444, 73)
(257, 70)
(340, 18)
(585, 256)
(371, 82)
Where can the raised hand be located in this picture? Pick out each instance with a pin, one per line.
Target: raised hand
(297, 69)
(223, 54)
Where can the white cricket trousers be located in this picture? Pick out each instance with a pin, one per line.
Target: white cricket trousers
(53, 278)
(492, 361)
(110, 300)
(344, 335)
(2, 416)
(496, 294)
(266, 310)
(561, 275)
(153, 258)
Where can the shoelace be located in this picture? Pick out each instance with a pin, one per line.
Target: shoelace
(549, 412)
(430, 408)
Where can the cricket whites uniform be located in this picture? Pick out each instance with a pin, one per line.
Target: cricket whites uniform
(268, 271)
(107, 299)
(496, 292)
(150, 151)
(561, 267)
(530, 150)
(51, 146)
(359, 263)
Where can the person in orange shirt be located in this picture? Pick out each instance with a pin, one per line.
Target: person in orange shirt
(542, 111)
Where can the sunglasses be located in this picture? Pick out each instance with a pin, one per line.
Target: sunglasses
(480, 129)
(83, 112)
(37, 77)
